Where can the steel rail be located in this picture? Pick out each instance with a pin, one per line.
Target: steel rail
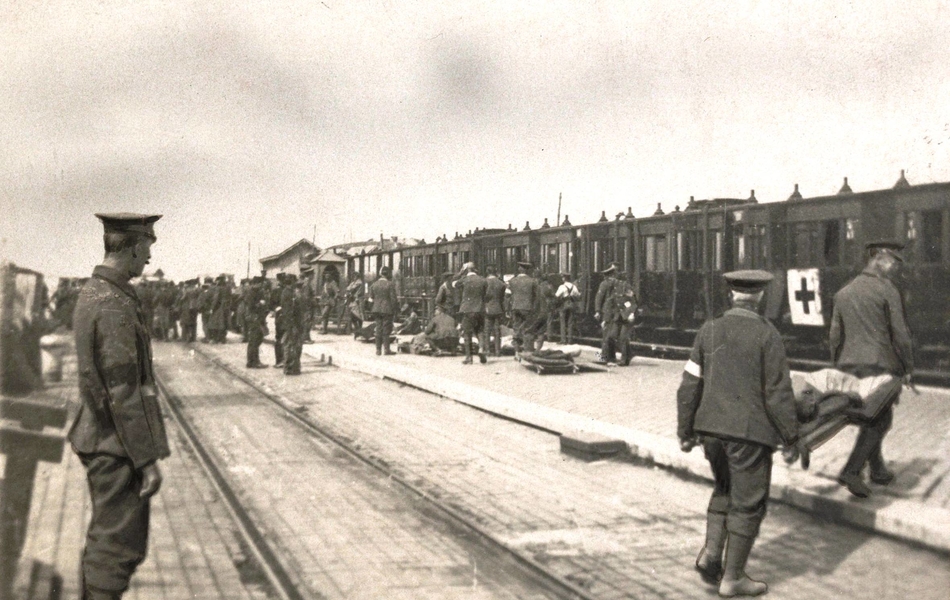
(552, 582)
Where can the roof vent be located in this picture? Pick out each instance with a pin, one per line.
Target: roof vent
(658, 211)
(510, 228)
(752, 197)
(796, 195)
(629, 214)
(527, 226)
(676, 208)
(603, 217)
(566, 222)
(692, 203)
(545, 224)
(902, 182)
(845, 189)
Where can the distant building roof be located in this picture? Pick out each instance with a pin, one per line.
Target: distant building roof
(304, 243)
(328, 256)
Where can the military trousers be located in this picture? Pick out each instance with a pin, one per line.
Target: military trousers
(384, 329)
(617, 334)
(292, 342)
(473, 325)
(493, 332)
(117, 539)
(521, 321)
(567, 325)
(278, 342)
(255, 337)
(742, 474)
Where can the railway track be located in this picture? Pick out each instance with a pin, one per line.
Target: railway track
(284, 580)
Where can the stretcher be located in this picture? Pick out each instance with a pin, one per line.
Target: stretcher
(549, 361)
(828, 400)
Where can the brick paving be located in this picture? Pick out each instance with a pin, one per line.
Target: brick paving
(616, 529)
(194, 551)
(341, 528)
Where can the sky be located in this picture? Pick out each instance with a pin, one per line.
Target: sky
(251, 125)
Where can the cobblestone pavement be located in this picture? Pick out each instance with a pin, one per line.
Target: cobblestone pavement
(341, 528)
(643, 397)
(617, 529)
(194, 551)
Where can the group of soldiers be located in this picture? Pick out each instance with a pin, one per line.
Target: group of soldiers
(530, 304)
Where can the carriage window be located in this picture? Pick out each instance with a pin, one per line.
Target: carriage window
(832, 243)
(805, 238)
(689, 250)
(549, 256)
(492, 257)
(932, 230)
(564, 257)
(655, 255)
(717, 250)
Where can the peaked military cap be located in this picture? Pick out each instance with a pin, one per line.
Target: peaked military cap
(306, 269)
(129, 223)
(385, 271)
(611, 269)
(208, 280)
(525, 264)
(892, 247)
(749, 281)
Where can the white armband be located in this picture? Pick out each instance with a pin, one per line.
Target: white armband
(693, 369)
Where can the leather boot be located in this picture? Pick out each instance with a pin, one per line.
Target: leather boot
(734, 580)
(709, 561)
(468, 353)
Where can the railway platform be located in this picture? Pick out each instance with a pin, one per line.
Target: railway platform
(194, 549)
(637, 404)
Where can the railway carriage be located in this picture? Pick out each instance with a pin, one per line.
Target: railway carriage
(675, 260)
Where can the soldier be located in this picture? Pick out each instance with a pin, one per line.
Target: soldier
(355, 294)
(445, 296)
(441, 333)
(869, 336)
(309, 302)
(276, 305)
(736, 393)
(204, 308)
(472, 309)
(255, 314)
(191, 306)
(495, 290)
(293, 310)
(525, 297)
(544, 317)
(382, 295)
(118, 433)
(331, 291)
(240, 312)
(604, 310)
(218, 323)
(568, 295)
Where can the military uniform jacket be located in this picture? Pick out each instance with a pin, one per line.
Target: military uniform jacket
(442, 326)
(524, 292)
(494, 296)
(383, 296)
(869, 327)
(473, 288)
(255, 305)
(118, 408)
(603, 301)
(445, 297)
(736, 384)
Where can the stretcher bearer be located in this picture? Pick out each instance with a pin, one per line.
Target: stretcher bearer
(118, 433)
(472, 309)
(869, 336)
(736, 394)
(525, 297)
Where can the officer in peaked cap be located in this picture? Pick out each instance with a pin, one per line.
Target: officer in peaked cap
(607, 313)
(118, 432)
(889, 247)
(869, 336)
(736, 394)
(611, 269)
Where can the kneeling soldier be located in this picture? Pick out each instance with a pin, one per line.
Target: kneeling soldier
(736, 393)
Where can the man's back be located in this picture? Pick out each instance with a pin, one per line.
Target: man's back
(869, 328)
(473, 288)
(495, 296)
(747, 391)
(524, 292)
(383, 296)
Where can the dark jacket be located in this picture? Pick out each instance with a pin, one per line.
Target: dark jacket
(869, 327)
(472, 286)
(441, 326)
(382, 294)
(494, 296)
(525, 294)
(737, 383)
(118, 407)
